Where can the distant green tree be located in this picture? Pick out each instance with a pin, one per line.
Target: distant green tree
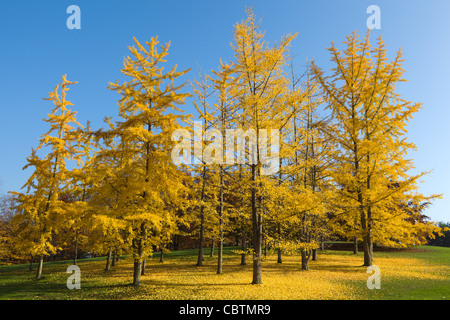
(444, 239)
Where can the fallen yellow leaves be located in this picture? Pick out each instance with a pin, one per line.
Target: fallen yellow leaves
(336, 275)
(332, 277)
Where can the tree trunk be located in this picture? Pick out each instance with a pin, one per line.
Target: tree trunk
(367, 238)
(30, 267)
(305, 259)
(202, 238)
(137, 272)
(279, 260)
(211, 254)
(202, 221)
(314, 254)
(139, 245)
(368, 250)
(243, 232)
(355, 246)
(143, 265)
(244, 256)
(243, 243)
(257, 232)
(40, 266)
(161, 256)
(113, 260)
(220, 257)
(367, 242)
(265, 248)
(108, 260)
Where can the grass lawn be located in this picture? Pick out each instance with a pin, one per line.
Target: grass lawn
(421, 273)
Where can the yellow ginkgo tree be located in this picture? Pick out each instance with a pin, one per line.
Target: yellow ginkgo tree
(369, 117)
(260, 88)
(155, 187)
(41, 204)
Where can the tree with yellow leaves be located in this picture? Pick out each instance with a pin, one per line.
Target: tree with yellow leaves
(372, 171)
(79, 192)
(202, 189)
(41, 205)
(223, 82)
(148, 107)
(261, 86)
(307, 166)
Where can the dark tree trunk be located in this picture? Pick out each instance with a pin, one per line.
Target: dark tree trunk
(305, 259)
(257, 232)
(30, 267)
(137, 272)
(113, 260)
(202, 221)
(279, 260)
(265, 248)
(314, 254)
(139, 246)
(243, 243)
(355, 246)
(161, 255)
(243, 231)
(202, 239)
(220, 257)
(367, 238)
(368, 250)
(144, 261)
(211, 254)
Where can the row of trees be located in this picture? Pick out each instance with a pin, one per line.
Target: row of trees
(342, 169)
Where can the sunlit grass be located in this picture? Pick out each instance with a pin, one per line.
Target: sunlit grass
(336, 275)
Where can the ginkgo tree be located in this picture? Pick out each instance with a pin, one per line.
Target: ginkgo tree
(201, 188)
(368, 124)
(41, 204)
(109, 180)
(308, 154)
(149, 115)
(261, 85)
(223, 82)
(79, 192)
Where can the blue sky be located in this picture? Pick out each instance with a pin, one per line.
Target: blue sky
(37, 49)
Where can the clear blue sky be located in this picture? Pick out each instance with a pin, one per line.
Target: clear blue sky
(37, 49)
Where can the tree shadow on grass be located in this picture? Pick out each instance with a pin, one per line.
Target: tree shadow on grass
(30, 289)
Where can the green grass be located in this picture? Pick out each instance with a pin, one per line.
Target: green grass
(426, 275)
(413, 289)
